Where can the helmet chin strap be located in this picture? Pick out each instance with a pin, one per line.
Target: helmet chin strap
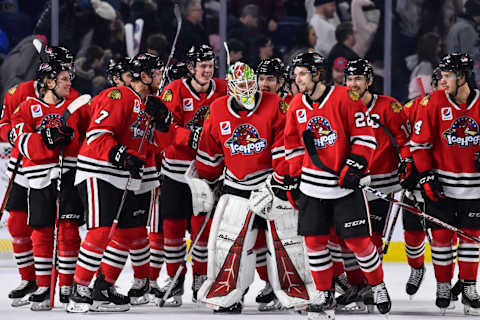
(55, 91)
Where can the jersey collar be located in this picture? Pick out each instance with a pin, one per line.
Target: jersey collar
(210, 91)
(471, 100)
(58, 105)
(258, 100)
(372, 102)
(322, 100)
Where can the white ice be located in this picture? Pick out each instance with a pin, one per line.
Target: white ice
(396, 274)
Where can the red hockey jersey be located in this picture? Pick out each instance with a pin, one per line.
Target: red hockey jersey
(249, 144)
(189, 109)
(337, 134)
(384, 164)
(445, 137)
(118, 117)
(40, 164)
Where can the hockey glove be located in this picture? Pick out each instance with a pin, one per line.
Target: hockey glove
(431, 187)
(350, 175)
(476, 160)
(127, 159)
(57, 136)
(12, 136)
(194, 137)
(408, 174)
(159, 112)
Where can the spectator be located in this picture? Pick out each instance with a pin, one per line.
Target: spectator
(305, 41)
(236, 48)
(463, 36)
(325, 30)
(338, 67)
(422, 64)
(192, 32)
(245, 30)
(157, 44)
(343, 48)
(89, 70)
(364, 29)
(272, 11)
(264, 51)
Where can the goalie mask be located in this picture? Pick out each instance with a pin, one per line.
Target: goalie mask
(242, 84)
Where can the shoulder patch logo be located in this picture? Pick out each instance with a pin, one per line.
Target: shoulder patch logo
(167, 96)
(115, 94)
(283, 107)
(409, 104)
(424, 101)
(353, 95)
(13, 89)
(396, 107)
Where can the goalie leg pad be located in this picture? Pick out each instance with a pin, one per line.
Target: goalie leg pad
(287, 262)
(231, 259)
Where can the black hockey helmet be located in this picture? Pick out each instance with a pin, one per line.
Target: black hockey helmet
(436, 76)
(457, 62)
(60, 54)
(116, 68)
(273, 67)
(144, 62)
(50, 70)
(359, 67)
(177, 70)
(200, 53)
(313, 61)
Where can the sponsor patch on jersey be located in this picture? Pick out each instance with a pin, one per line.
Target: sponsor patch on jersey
(396, 107)
(225, 128)
(409, 104)
(353, 95)
(188, 104)
(301, 115)
(446, 113)
(283, 107)
(198, 118)
(323, 133)
(464, 132)
(245, 140)
(136, 106)
(115, 94)
(424, 101)
(36, 110)
(167, 96)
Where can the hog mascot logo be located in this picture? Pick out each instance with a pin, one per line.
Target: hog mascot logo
(245, 140)
(322, 131)
(198, 118)
(463, 132)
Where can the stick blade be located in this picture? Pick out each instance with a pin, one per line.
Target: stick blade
(75, 105)
(309, 142)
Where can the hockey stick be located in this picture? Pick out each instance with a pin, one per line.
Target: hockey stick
(162, 300)
(72, 107)
(227, 51)
(309, 143)
(420, 87)
(178, 15)
(10, 184)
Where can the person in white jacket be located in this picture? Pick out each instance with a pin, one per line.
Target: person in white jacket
(325, 30)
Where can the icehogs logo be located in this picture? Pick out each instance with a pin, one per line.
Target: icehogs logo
(198, 118)
(245, 140)
(322, 131)
(51, 121)
(463, 132)
(138, 127)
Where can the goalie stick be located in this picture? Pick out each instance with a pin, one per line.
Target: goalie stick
(178, 16)
(309, 143)
(72, 107)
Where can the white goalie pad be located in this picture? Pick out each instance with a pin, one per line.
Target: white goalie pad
(202, 196)
(231, 259)
(287, 264)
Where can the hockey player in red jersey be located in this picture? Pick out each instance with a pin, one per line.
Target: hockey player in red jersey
(110, 161)
(446, 126)
(39, 134)
(345, 145)
(243, 135)
(118, 74)
(189, 100)
(17, 203)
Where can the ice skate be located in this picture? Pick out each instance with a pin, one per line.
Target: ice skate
(322, 307)
(341, 284)
(174, 299)
(236, 308)
(65, 292)
(266, 299)
(351, 300)
(457, 289)
(138, 293)
(198, 280)
(40, 299)
(444, 296)
(415, 280)
(470, 298)
(80, 300)
(366, 295)
(20, 294)
(381, 298)
(106, 298)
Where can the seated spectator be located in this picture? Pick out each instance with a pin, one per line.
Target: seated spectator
(345, 42)
(236, 48)
(89, 71)
(325, 30)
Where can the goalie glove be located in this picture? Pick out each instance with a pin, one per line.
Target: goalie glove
(261, 200)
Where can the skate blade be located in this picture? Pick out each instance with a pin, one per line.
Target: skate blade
(443, 311)
(271, 306)
(322, 315)
(41, 306)
(172, 302)
(136, 301)
(410, 297)
(20, 302)
(352, 307)
(468, 310)
(74, 307)
(370, 308)
(102, 306)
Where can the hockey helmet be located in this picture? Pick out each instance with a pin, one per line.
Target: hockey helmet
(313, 61)
(144, 62)
(50, 70)
(60, 54)
(242, 83)
(457, 62)
(116, 68)
(272, 67)
(359, 67)
(177, 70)
(436, 76)
(200, 53)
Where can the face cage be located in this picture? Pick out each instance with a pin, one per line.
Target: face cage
(245, 96)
